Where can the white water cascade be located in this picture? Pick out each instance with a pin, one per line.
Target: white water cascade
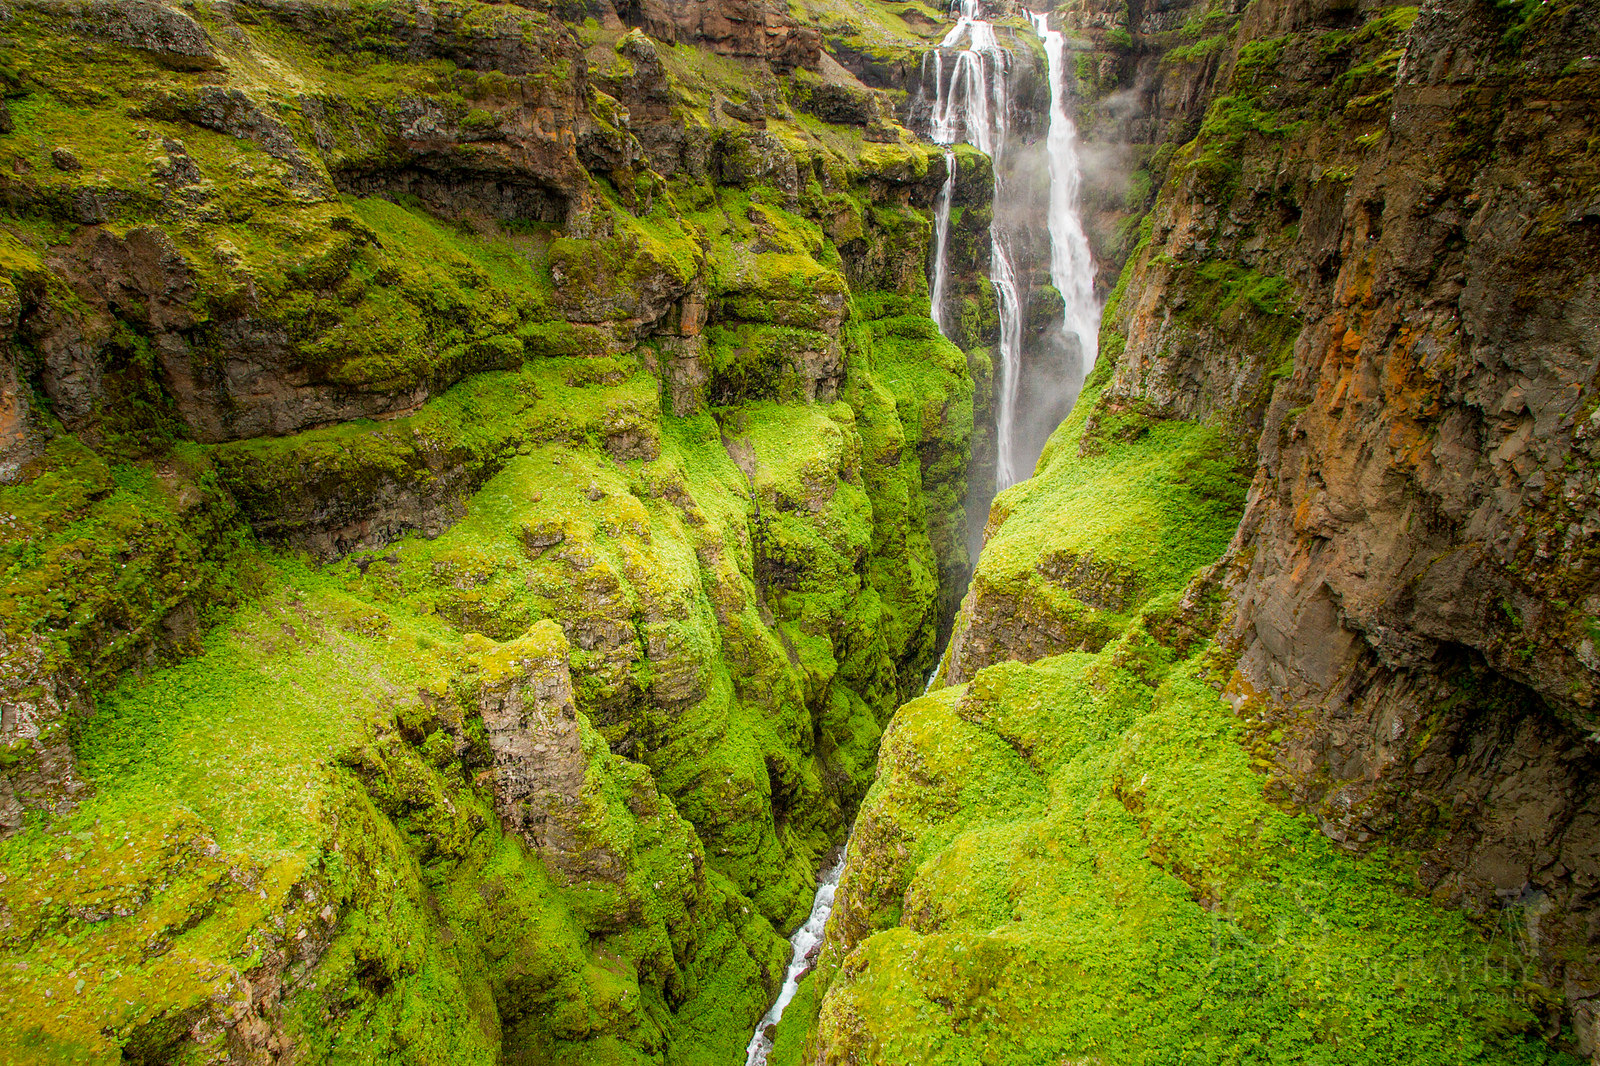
(941, 238)
(1071, 265)
(973, 105)
(805, 938)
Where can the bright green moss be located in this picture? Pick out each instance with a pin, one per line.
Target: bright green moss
(745, 595)
(1089, 868)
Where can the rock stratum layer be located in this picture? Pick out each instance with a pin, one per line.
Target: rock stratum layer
(1270, 718)
(478, 477)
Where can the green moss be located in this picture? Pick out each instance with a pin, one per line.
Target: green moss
(297, 776)
(96, 554)
(1125, 507)
(1111, 883)
(1213, 157)
(1198, 51)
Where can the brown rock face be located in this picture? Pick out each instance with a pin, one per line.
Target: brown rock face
(756, 29)
(1417, 565)
(37, 704)
(540, 769)
(1380, 279)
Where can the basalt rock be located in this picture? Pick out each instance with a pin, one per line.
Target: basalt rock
(755, 29)
(1392, 320)
(524, 696)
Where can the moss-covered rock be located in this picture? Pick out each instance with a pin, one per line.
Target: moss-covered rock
(624, 481)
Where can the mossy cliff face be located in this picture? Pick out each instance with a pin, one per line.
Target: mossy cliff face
(1314, 543)
(478, 478)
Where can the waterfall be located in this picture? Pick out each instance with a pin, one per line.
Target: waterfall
(941, 238)
(1010, 300)
(1071, 265)
(974, 106)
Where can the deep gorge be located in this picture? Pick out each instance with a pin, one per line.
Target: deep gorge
(484, 488)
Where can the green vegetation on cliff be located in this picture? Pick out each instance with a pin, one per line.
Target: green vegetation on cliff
(1074, 856)
(368, 386)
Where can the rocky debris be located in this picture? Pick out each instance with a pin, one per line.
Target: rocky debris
(38, 702)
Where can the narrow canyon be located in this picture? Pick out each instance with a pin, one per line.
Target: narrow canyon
(839, 532)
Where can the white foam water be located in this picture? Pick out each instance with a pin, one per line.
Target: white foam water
(973, 106)
(1071, 264)
(808, 936)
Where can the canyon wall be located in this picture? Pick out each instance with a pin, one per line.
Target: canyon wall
(478, 477)
(1344, 550)
(477, 481)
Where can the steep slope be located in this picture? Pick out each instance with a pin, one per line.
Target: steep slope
(1363, 286)
(476, 486)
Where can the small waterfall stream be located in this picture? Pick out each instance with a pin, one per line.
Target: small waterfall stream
(941, 239)
(973, 105)
(807, 937)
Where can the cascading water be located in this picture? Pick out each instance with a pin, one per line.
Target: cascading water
(805, 938)
(974, 106)
(1071, 265)
(941, 239)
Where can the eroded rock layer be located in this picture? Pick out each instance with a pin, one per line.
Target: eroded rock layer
(1324, 517)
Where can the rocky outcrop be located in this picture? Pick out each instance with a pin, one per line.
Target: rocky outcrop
(754, 29)
(171, 37)
(1351, 270)
(1415, 563)
(524, 697)
(39, 703)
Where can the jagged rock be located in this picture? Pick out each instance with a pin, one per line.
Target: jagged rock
(233, 112)
(166, 34)
(840, 104)
(524, 693)
(38, 702)
(757, 29)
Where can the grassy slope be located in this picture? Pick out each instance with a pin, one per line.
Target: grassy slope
(1073, 857)
(309, 787)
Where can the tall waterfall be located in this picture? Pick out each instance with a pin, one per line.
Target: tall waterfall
(972, 104)
(941, 241)
(1071, 265)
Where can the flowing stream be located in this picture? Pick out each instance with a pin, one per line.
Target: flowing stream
(941, 238)
(972, 106)
(805, 938)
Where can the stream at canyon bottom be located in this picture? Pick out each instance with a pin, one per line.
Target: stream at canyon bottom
(973, 105)
(805, 939)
